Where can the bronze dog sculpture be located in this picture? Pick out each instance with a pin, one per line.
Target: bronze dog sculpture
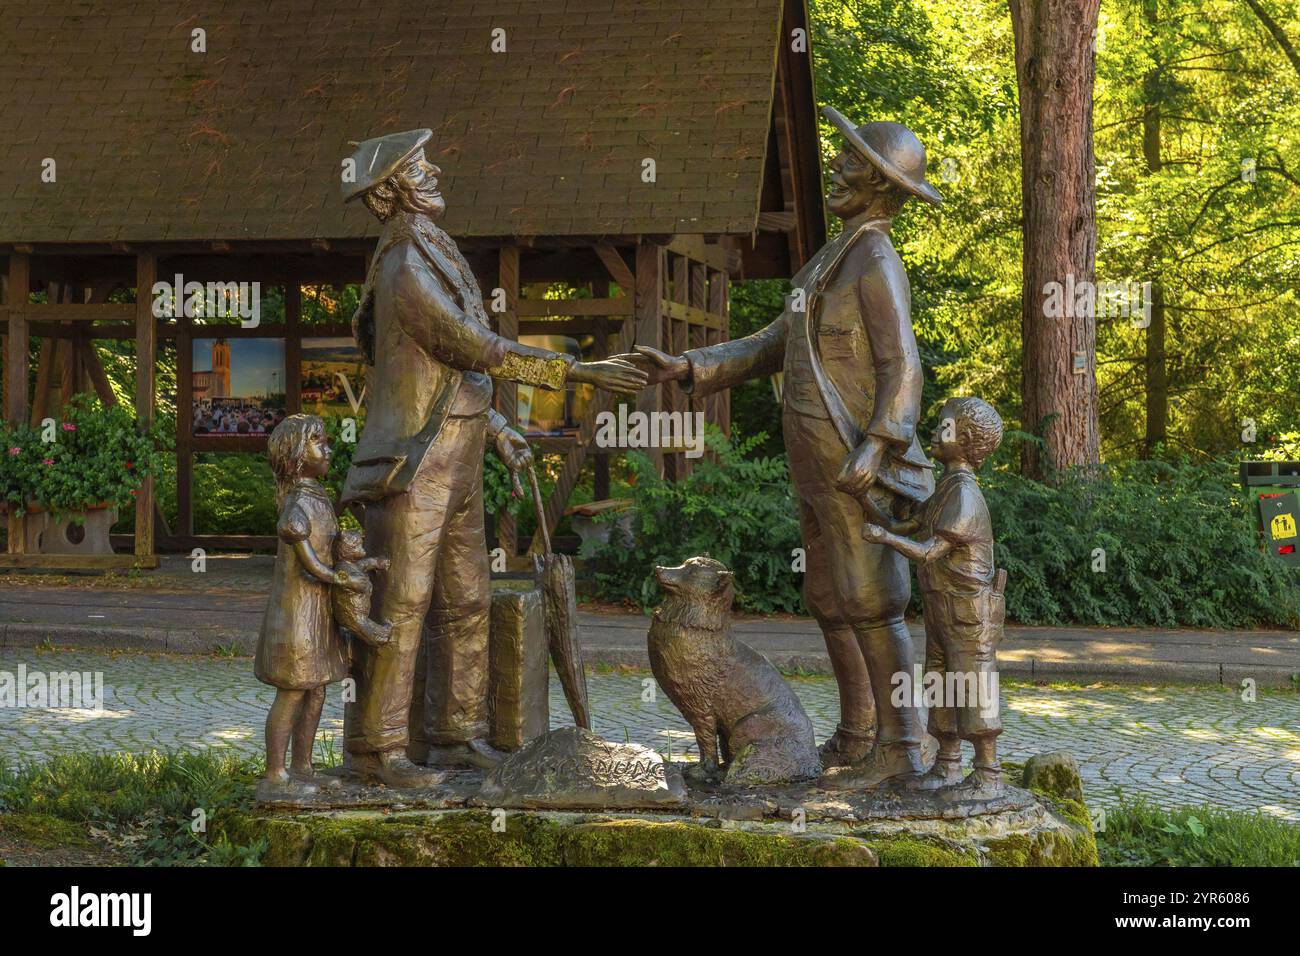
(731, 695)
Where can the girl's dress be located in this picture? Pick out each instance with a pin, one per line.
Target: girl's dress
(299, 647)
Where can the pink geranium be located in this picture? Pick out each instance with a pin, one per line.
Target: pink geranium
(48, 461)
(69, 427)
(15, 450)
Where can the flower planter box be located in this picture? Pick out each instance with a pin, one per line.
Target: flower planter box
(77, 532)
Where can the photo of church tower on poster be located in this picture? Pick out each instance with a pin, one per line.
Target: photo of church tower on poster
(238, 386)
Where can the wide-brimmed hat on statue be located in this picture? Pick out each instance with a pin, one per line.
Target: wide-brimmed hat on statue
(377, 159)
(893, 149)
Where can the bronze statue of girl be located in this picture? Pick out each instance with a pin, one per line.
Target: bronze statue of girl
(300, 649)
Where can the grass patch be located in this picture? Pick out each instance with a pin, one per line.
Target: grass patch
(1139, 834)
(142, 805)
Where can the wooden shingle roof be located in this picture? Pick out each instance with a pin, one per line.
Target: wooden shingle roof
(153, 142)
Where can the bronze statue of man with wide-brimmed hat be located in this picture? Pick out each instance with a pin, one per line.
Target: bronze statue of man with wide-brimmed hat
(417, 473)
(852, 396)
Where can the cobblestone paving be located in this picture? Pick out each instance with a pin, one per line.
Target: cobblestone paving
(1175, 746)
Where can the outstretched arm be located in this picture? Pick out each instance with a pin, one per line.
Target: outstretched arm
(919, 551)
(713, 368)
(430, 315)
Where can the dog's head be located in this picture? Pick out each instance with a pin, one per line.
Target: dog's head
(698, 591)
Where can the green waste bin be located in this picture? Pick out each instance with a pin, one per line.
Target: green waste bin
(1273, 490)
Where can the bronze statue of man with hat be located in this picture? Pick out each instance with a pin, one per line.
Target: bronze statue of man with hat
(417, 472)
(852, 395)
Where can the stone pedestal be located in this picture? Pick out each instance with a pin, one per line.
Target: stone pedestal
(78, 532)
(463, 822)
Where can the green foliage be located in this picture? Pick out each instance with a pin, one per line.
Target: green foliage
(1179, 547)
(142, 803)
(97, 455)
(737, 508)
(498, 489)
(1139, 834)
(234, 493)
(1223, 247)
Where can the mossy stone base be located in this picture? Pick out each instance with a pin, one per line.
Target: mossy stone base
(1042, 825)
(1044, 836)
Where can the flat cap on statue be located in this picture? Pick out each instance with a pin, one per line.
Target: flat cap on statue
(377, 159)
(893, 149)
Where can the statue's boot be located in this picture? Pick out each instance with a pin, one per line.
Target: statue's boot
(982, 782)
(846, 747)
(472, 753)
(284, 787)
(315, 779)
(856, 731)
(392, 768)
(887, 649)
(888, 763)
(946, 772)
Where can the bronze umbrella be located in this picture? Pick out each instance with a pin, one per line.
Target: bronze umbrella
(555, 575)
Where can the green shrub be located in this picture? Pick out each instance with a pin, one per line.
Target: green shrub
(1180, 548)
(739, 509)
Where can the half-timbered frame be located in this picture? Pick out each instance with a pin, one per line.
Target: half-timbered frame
(222, 166)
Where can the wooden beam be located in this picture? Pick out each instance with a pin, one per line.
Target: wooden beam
(146, 350)
(650, 267)
(691, 315)
(507, 393)
(293, 347)
(16, 376)
(184, 426)
(617, 267)
(76, 562)
(777, 221)
(95, 369)
(574, 307)
(73, 312)
(44, 372)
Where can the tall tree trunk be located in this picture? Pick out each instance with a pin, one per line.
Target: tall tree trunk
(1157, 373)
(1054, 74)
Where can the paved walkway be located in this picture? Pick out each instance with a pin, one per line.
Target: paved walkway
(1175, 746)
(178, 609)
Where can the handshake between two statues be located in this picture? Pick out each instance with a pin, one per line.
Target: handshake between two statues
(851, 401)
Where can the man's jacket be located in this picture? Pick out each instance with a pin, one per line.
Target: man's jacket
(426, 338)
(849, 355)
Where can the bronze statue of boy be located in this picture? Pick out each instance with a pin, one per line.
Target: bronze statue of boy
(962, 594)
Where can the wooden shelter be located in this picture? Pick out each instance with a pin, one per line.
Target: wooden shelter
(643, 152)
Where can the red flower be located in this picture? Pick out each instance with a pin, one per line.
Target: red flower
(15, 450)
(128, 464)
(69, 427)
(48, 461)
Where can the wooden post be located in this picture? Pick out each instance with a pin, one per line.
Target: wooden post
(650, 269)
(146, 348)
(16, 372)
(507, 393)
(293, 346)
(600, 463)
(184, 426)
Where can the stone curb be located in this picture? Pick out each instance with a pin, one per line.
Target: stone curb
(207, 640)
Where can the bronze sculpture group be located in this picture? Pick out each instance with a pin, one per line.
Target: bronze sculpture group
(851, 395)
